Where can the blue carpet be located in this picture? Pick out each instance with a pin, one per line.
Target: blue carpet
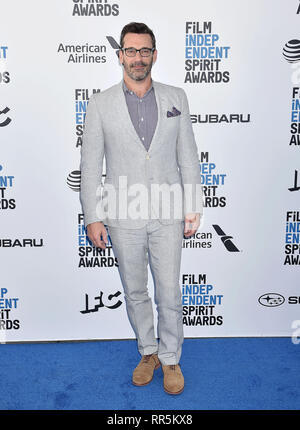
(238, 373)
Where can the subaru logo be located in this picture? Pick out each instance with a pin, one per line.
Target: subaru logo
(271, 299)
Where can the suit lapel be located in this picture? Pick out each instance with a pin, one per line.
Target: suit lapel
(123, 114)
(161, 108)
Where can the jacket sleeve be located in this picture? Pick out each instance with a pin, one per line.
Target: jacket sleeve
(91, 164)
(188, 161)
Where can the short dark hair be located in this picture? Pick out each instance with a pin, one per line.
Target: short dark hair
(139, 28)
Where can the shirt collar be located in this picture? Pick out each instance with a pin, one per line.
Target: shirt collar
(126, 90)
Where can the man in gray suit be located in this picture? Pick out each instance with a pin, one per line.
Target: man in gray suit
(143, 129)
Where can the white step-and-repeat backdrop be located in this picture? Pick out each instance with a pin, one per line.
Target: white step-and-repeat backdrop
(239, 63)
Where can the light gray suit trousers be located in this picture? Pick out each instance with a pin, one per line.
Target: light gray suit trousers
(161, 246)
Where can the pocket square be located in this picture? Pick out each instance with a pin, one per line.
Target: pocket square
(175, 112)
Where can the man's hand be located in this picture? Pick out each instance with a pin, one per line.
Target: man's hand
(95, 230)
(192, 222)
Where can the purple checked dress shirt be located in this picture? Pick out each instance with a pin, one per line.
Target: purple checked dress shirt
(143, 113)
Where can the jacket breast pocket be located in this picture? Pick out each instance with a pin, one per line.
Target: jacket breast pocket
(170, 118)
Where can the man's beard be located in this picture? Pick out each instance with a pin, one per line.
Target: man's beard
(138, 75)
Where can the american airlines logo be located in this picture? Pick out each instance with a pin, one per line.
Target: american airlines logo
(114, 44)
(226, 240)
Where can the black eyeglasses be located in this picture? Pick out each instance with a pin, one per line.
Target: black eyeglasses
(145, 52)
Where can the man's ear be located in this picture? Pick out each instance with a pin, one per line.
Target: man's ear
(154, 56)
(120, 55)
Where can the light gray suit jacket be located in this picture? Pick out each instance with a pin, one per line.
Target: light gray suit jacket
(172, 157)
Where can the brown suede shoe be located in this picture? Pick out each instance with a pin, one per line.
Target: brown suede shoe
(173, 379)
(143, 373)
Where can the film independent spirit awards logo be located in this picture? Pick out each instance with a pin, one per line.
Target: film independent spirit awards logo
(95, 8)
